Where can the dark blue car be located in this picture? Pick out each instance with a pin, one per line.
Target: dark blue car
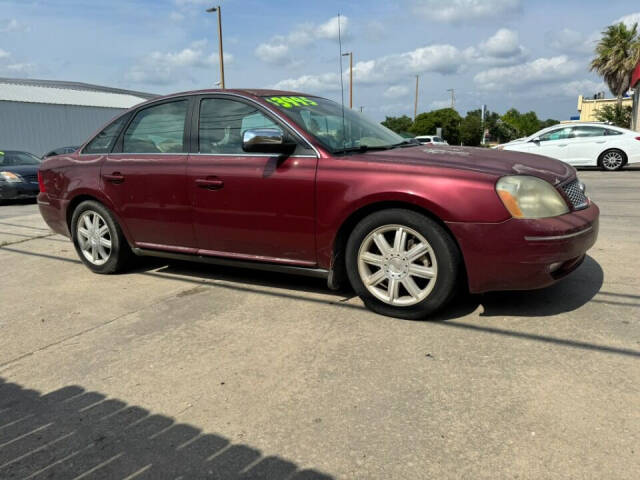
(18, 175)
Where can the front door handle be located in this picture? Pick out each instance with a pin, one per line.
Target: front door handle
(563, 145)
(115, 177)
(210, 183)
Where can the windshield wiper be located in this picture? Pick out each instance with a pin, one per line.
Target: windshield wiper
(409, 142)
(363, 148)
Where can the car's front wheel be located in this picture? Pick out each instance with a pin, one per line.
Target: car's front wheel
(402, 264)
(98, 238)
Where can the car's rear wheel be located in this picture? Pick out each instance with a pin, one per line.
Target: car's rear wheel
(402, 264)
(612, 160)
(98, 238)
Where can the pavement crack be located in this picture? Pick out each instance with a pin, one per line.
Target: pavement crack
(7, 243)
(67, 338)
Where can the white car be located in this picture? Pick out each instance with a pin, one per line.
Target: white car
(583, 145)
(431, 140)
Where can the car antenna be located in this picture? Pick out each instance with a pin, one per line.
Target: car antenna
(344, 130)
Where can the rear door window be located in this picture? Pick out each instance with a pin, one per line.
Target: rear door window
(588, 131)
(157, 129)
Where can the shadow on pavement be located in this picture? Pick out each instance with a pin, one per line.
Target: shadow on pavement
(565, 296)
(73, 433)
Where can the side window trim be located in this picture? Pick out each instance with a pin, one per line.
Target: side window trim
(118, 144)
(195, 125)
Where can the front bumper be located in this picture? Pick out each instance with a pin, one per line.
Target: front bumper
(14, 191)
(525, 254)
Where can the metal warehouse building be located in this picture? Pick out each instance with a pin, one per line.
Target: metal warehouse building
(39, 115)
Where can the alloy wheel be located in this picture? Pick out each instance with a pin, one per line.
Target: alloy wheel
(94, 237)
(612, 160)
(397, 265)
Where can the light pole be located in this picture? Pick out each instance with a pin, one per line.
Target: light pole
(350, 54)
(217, 9)
(415, 105)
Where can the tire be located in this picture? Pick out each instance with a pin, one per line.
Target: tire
(102, 250)
(612, 160)
(435, 271)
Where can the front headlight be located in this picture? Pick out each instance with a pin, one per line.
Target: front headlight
(11, 177)
(530, 197)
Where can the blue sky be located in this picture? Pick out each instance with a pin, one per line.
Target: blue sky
(532, 55)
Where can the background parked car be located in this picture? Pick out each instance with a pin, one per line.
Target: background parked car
(431, 140)
(18, 175)
(583, 145)
(60, 151)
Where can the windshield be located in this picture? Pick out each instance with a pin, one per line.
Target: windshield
(323, 119)
(12, 158)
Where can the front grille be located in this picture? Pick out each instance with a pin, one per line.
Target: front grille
(576, 196)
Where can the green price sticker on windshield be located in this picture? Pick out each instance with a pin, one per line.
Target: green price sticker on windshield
(290, 102)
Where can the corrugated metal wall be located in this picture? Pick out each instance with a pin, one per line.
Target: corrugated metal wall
(39, 127)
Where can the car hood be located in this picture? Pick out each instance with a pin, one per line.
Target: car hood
(482, 160)
(21, 169)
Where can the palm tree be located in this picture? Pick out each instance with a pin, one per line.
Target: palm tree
(617, 54)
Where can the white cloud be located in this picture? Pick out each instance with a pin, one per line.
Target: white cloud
(541, 70)
(630, 19)
(183, 3)
(502, 48)
(162, 68)
(329, 29)
(311, 83)
(571, 41)
(176, 16)
(8, 66)
(438, 104)
(454, 11)
(375, 31)
(444, 59)
(582, 87)
(13, 25)
(396, 91)
(278, 49)
(504, 43)
(275, 53)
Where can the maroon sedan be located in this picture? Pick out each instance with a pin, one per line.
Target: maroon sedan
(292, 182)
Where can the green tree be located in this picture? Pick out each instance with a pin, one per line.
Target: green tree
(617, 54)
(398, 124)
(524, 124)
(616, 114)
(446, 118)
(471, 128)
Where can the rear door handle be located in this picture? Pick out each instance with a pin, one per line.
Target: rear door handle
(563, 145)
(210, 183)
(115, 177)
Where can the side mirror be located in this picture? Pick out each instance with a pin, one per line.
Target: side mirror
(267, 140)
(535, 140)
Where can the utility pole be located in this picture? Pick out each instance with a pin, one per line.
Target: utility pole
(415, 105)
(453, 98)
(217, 9)
(361, 108)
(350, 55)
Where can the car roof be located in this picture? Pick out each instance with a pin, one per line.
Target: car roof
(251, 92)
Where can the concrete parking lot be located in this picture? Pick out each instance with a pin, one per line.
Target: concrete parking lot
(185, 370)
